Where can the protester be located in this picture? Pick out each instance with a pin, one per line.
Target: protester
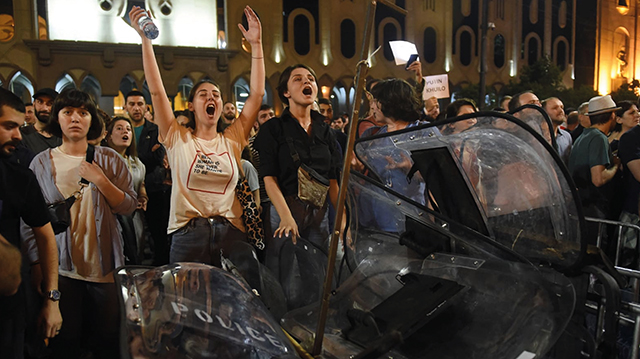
(206, 215)
(120, 137)
(592, 165)
(91, 246)
(396, 105)
(21, 201)
(627, 117)
(458, 108)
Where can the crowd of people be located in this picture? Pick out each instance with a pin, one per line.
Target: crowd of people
(83, 193)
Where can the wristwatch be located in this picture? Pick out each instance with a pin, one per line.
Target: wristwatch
(54, 295)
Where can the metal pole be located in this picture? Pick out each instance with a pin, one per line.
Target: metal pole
(344, 180)
(483, 52)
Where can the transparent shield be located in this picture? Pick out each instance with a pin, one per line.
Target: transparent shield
(190, 310)
(505, 309)
(500, 178)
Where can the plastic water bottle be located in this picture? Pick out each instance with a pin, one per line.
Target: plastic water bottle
(148, 27)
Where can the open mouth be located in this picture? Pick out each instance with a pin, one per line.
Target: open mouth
(211, 109)
(307, 91)
(125, 137)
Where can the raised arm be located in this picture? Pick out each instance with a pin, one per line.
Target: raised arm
(162, 106)
(254, 36)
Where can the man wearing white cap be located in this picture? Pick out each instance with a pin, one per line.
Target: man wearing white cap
(591, 163)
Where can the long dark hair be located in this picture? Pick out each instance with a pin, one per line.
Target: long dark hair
(398, 100)
(131, 151)
(191, 123)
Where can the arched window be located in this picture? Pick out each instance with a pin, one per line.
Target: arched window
(465, 7)
(347, 38)
(182, 97)
(561, 55)
(532, 53)
(533, 11)
(302, 35)
(66, 81)
(498, 51)
(466, 45)
(91, 85)
(241, 93)
(562, 15)
(338, 98)
(127, 84)
(21, 86)
(430, 45)
(389, 33)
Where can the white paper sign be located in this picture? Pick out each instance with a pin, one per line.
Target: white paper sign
(402, 51)
(436, 86)
(526, 355)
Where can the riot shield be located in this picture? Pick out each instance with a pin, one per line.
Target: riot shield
(455, 241)
(190, 310)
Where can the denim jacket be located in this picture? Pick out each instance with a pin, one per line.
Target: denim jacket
(107, 226)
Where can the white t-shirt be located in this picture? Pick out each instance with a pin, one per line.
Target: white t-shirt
(85, 252)
(204, 175)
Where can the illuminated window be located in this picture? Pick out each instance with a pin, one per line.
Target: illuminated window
(241, 93)
(182, 98)
(348, 38)
(21, 86)
(65, 82)
(498, 51)
(430, 45)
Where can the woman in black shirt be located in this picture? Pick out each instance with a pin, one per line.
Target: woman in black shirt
(298, 137)
(313, 142)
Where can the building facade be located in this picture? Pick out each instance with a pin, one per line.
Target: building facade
(88, 44)
(616, 44)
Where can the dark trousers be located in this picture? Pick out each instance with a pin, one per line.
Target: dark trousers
(13, 324)
(157, 216)
(91, 317)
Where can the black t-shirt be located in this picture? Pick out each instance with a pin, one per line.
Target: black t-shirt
(38, 143)
(20, 197)
(318, 150)
(629, 150)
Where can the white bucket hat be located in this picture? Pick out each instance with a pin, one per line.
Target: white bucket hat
(601, 104)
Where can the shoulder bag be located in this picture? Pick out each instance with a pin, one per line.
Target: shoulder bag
(59, 212)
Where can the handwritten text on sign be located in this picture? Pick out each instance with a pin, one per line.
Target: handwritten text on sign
(436, 86)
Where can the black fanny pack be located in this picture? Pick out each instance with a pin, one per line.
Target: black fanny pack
(60, 212)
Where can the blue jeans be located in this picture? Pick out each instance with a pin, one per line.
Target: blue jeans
(203, 239)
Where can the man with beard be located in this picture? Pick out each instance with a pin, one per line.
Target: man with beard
(228, 116)
(157, 178)
(35, 138)
(555, 109)
(21, 198)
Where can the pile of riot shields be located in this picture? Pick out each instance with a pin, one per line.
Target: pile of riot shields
(467, 245)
